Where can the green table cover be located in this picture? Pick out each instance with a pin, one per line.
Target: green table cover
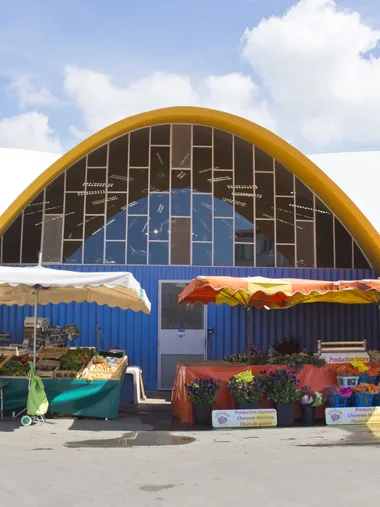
(98, 398)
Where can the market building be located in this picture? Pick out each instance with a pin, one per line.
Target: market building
(176, 193)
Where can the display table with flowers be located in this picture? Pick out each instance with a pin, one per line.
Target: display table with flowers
(316, 378)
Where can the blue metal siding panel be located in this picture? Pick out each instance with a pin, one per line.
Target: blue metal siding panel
(137, 333)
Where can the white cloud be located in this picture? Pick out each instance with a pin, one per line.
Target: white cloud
(30, 95)
(29, 131)
(103, 102)
(315, 67)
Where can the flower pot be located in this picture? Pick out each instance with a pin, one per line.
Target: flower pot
(363, 400)
(202, 414)
(246, 406)
(308, 414)
(347, 381)
(336, 401)
(286, 414)
(367, 379)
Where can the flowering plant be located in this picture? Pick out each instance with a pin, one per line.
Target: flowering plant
(361, 367)
(344, 392)
(202, 390)
(372, 371)
(366, 389)
(246, 388)
(307, 396)
(282, 386)
(346, 370)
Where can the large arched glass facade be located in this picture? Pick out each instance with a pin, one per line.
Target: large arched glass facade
(180, 194)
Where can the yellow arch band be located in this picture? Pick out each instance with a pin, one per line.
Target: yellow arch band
(337, 201)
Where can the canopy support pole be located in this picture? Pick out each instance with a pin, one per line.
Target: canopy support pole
(248, 327)
(35, 327)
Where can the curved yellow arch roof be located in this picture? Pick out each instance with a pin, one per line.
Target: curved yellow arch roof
(336, 200)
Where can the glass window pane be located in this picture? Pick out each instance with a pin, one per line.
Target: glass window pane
(284, 181)
(118, 165)
(160, 134)
(52, 238)
(181, 146)
(75, 176)
(139, 149)
(285, 256)
(94, 240)
(159, 217)
(263, 162)
(180, 241)
(72, 252)
(138, 192)
(223, 242)
(324, 224)
(244, 255)
(222, 149)
(32, 230)
(202, 254)
(202, 136)
(98, 158)
(223, 198)
(202, 170)
(285, 220)
(115, 252)
(74, 216)
(159, 253)
(175, 316)
(116, 216)
(243, 163)
(159, 169)
(305, 244)
(181, 190)
(12, 243)
(202, 217)
(54, 196)
(137, 240)
(343, 247)
(95, 191)
(243, 229)
(304, 202)
(264, 196)
(360, 262)
(265, 243)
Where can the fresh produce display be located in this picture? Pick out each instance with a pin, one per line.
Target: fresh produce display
(16, 367)
(75, 359)
(99, 369)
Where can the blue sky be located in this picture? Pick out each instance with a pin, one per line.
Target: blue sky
(127, 41)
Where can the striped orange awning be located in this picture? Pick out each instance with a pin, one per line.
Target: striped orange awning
(255, 291)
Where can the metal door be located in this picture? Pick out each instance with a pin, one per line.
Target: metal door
(182, 332)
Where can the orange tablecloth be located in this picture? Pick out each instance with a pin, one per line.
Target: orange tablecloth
(316, 378)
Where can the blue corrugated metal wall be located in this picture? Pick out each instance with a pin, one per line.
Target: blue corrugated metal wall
(137, 333)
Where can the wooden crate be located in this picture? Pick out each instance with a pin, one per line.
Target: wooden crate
(52, 352)
(8, 356)
(51, 364)
(68, 374)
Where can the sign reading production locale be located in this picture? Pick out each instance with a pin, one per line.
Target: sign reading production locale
(352, 415)
(261, 417)
(345, 357)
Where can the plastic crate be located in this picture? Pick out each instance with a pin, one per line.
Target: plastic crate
(335, 401)
(376, 400)
(367, 379)
(344, 381)
(363, 400)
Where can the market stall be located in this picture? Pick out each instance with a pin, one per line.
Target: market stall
(77, 380)
(212, 383)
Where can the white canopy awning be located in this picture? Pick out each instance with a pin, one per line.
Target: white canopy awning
(18, 286)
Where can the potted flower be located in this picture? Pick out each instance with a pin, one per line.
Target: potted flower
(337, 396)
(282, 390)
(246, 389)
(347, 375)
(364, 394)
(367, 374)
(202, 393)
(309, 399)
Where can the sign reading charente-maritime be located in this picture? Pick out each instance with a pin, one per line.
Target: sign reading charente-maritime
(244, 418)
(352, 415)
(344, 357)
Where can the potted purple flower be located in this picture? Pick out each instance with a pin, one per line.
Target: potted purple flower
(202, 394)
(282, 390)
(246, 389)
